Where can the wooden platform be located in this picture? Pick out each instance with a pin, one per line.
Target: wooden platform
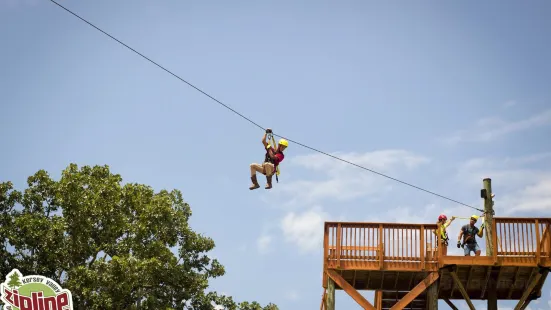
(511, 281)
(396, 259)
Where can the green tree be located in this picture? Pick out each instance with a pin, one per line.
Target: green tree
(14, 280)
(110, 243)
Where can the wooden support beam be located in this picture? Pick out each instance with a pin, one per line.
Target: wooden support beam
(529, 290)
(450, 304)
(330, 295)
(349, 290)
(513, 285)
(461, 289)
(379, 300)
(485, 283)
(322, 306)
(491, 287)
(432, 296)
(416, 291)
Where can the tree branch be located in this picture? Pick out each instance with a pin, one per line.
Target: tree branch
(93, 259)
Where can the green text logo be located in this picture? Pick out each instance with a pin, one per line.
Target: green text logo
(34, 293)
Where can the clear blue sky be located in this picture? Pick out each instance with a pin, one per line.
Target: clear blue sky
(438, 94)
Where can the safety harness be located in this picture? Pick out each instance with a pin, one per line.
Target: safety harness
(468, 238)
(267, 158)
(444, 235)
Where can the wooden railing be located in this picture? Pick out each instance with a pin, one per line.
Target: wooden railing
(523, 240)
(396, 246)
(389, 246)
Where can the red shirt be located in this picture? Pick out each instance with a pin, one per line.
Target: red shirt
(278, 157)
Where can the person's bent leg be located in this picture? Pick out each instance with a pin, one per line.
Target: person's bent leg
(254, 169)
(269, 170)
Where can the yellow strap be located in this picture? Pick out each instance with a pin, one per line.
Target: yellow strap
(467, 218)
(275, 148)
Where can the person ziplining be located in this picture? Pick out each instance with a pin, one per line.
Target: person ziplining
(270, 166)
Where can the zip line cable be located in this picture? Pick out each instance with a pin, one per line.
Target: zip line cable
(251, 121)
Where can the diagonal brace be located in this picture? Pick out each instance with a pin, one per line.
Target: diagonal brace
(461, 288)
(523, 302)
(450, 304)
(350, 290)
(416, 291)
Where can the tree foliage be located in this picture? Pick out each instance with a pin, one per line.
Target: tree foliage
(111, 244)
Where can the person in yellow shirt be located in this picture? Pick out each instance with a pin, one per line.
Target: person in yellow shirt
(444, 223)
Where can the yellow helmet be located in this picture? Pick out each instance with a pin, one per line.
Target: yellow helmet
(474, 217)
(283, 142)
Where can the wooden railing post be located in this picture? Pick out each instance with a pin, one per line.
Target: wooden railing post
(381, 247)
(494, 237)
(422, 247)
(338, 245)
(538, 247)
(439, 244)
(325, 254)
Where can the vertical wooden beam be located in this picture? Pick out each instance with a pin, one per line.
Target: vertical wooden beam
(489, 233)
(330, 295)
(432, 296)
(378, 299)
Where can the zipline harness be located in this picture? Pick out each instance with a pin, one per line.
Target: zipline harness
(267, 158)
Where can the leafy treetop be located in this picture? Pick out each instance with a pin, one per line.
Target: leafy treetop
(109, 243)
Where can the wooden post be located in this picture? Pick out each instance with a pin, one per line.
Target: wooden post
(330, 297)
(488, 217)
(378, 300)
(489, 233)
(432, 296)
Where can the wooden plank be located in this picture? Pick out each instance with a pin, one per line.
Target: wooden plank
(416, 291)
(349, 290)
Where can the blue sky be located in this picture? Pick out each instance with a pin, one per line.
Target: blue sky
(437, 94)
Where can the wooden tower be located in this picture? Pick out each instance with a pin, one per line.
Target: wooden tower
(402, 264)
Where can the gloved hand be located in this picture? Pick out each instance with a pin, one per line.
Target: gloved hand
(458, 244)
(482, 226)
(268, 130)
